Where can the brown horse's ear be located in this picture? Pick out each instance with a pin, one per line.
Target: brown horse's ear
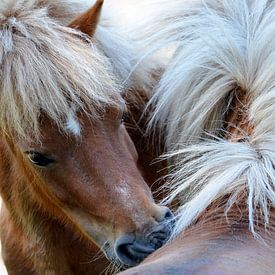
(87, 22)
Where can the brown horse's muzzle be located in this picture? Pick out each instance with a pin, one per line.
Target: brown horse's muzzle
(131, 249)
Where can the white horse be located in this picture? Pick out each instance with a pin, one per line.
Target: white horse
(215, 104)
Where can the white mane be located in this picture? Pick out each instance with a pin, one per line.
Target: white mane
(221, 45)
(47, 67)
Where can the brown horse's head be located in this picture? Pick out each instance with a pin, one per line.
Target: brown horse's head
(63, 135)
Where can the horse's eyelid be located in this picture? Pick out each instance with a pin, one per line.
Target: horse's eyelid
(34, 152)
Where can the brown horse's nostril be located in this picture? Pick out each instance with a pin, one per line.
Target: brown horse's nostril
(165, 214)
(168, 215)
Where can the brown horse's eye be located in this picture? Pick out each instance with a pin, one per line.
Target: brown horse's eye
(39, 159)
(123, 118)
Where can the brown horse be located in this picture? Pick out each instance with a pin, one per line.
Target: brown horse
(69, 178)
(215, 103)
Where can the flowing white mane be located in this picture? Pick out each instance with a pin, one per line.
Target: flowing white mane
(47, 67)
(221, 45)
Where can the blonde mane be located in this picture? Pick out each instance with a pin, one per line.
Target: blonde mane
(46, 68)
(221, 45)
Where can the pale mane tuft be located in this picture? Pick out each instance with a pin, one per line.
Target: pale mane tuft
(46, 68)
(220, 45)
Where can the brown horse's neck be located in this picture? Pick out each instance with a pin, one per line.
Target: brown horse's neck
(32, 240)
